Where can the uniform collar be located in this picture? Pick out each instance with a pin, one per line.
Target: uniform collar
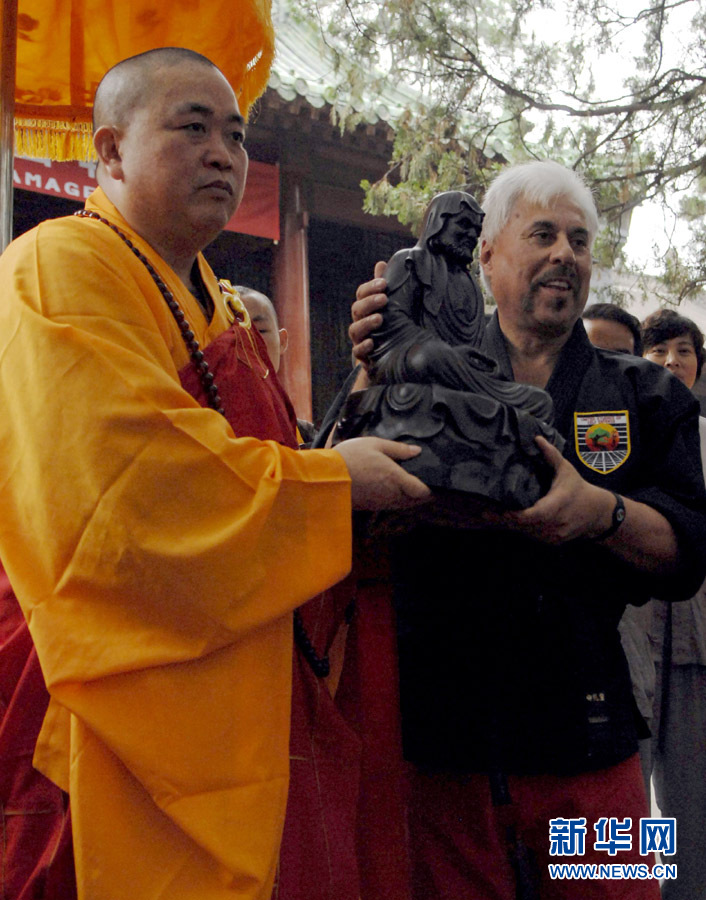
(576, 354)
(570, 368)
(569, 371)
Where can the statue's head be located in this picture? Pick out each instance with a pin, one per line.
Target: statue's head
(452, 226)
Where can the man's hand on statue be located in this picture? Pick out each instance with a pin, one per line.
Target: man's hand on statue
(370, 297)
(572, 508)
(377, 481)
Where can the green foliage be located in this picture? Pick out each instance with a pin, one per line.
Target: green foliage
(473, 87)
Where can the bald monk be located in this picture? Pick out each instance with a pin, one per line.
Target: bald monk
(157, 555)
(264, 317)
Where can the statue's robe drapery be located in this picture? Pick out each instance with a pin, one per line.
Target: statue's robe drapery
(435, 311)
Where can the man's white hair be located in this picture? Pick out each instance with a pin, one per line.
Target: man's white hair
(540, 182)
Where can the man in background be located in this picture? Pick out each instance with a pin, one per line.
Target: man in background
(610, 327)
(264, 317)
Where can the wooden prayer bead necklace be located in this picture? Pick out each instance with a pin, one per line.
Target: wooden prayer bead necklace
(192, 345)
(320, 665)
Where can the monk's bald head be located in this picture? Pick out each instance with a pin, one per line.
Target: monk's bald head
(170, 144)
(127, 86)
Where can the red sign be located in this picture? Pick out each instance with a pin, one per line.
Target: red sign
(258, 213)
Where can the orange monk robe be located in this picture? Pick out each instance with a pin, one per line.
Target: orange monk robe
(157, 559)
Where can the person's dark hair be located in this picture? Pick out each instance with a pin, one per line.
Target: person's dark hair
(613, 313)
(666, 324)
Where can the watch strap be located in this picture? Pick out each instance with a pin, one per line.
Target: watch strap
(617, 520)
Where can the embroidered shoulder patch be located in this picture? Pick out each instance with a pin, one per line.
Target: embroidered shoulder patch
(602, 439)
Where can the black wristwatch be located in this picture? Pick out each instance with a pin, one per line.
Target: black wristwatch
(617, 521)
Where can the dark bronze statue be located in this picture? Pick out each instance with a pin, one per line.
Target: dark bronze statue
(434, 387)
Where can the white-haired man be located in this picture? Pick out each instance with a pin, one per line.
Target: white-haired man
(509, 655)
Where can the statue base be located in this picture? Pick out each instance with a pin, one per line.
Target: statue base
(471, 443)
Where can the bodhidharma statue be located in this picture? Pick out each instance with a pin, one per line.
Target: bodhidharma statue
(431, 383)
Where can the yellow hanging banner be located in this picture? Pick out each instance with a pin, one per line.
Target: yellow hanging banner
(64, 47)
